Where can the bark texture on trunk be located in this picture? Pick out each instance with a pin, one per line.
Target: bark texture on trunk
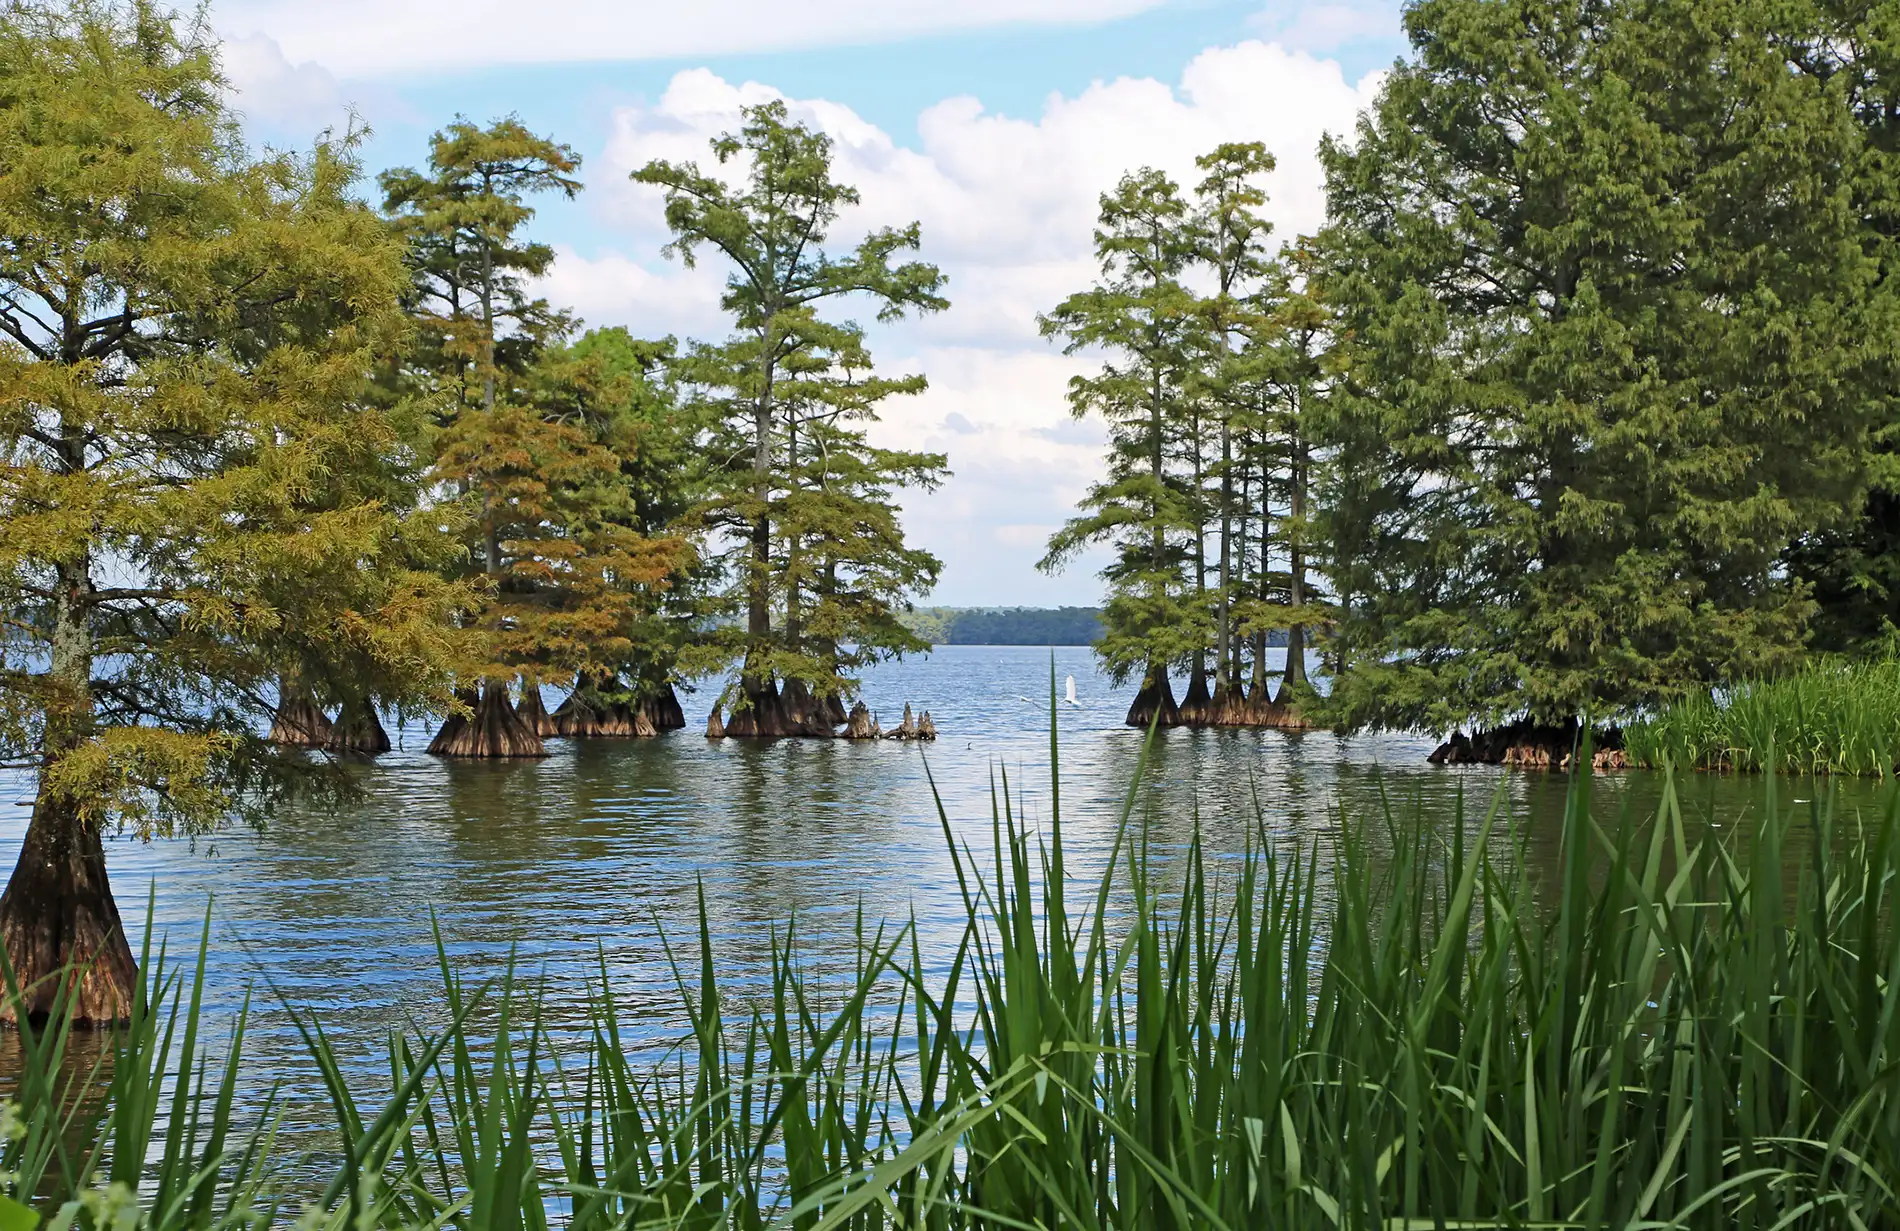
(358, 730)
(492, 731)
(58, 922)
(668, 713)
(761, 713)
(715, 725)
(858, 724)
(533, 711)
(1196, 707)
(1156, 697)
(906, 729)
(299, 723)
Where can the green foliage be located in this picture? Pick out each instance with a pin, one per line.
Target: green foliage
(1145, 318)
(1619, 334)
(542, 442)
(1675, 1034)
(197, 492)
(800, 515)
(1826, 718)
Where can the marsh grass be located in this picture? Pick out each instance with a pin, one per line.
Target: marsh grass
(1830, 718)
(1670, 1036)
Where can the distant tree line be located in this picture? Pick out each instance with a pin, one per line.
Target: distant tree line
(1006, 625)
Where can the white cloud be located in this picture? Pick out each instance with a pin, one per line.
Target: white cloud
(1328, 26)
(273, 94)
(460, 34)
(1007, 208)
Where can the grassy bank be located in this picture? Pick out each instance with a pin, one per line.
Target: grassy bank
(1678, 1034)
(1832, 718)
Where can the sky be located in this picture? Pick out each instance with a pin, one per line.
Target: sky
(995, 124)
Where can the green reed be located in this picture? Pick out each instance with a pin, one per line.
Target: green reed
(1675, 1031)
(1829, 718)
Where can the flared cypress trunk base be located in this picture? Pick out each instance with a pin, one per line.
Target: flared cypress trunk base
(358, 731)
(1197, 706)
(1156, 697)
(300, 723)
(668, 714)
(533, 711)
(59, 924)
(764, 712)
(492, 731)
(1526, 745)
(1228, 707)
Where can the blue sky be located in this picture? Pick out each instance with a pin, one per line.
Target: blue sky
(993, 122)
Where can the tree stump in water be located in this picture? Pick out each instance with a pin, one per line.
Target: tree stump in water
(299, 722)
(358, 730)
(58, 920)
(533, 711)
(926, 729)
(715, 726)
(906, 729)
(858, 724)
(491, 731)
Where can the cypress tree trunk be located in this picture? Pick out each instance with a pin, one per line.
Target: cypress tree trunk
(492, 731)
(299, 722)
(533, 711)
(358, 730)
(669, 714)
(1196, 708)
(762, 713)
(1156, 696)
(57, 914)
(1295, 674)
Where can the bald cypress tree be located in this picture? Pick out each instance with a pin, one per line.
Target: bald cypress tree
(1147, 320)
(1614, 325)
(767, 211)
(197, 494)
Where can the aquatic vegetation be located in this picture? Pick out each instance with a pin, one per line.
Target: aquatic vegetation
(1679, 1033)
(1829, 718)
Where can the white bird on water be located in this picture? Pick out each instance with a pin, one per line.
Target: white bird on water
(1071, 697)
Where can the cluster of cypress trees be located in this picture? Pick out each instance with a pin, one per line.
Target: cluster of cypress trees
(1582, 399)
(278, 459)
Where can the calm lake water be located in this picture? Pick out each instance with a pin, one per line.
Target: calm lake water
(596, 852)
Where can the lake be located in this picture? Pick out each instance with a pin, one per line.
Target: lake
(596, 853)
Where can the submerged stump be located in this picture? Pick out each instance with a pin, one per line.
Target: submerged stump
(858, 724)
(715, 726)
